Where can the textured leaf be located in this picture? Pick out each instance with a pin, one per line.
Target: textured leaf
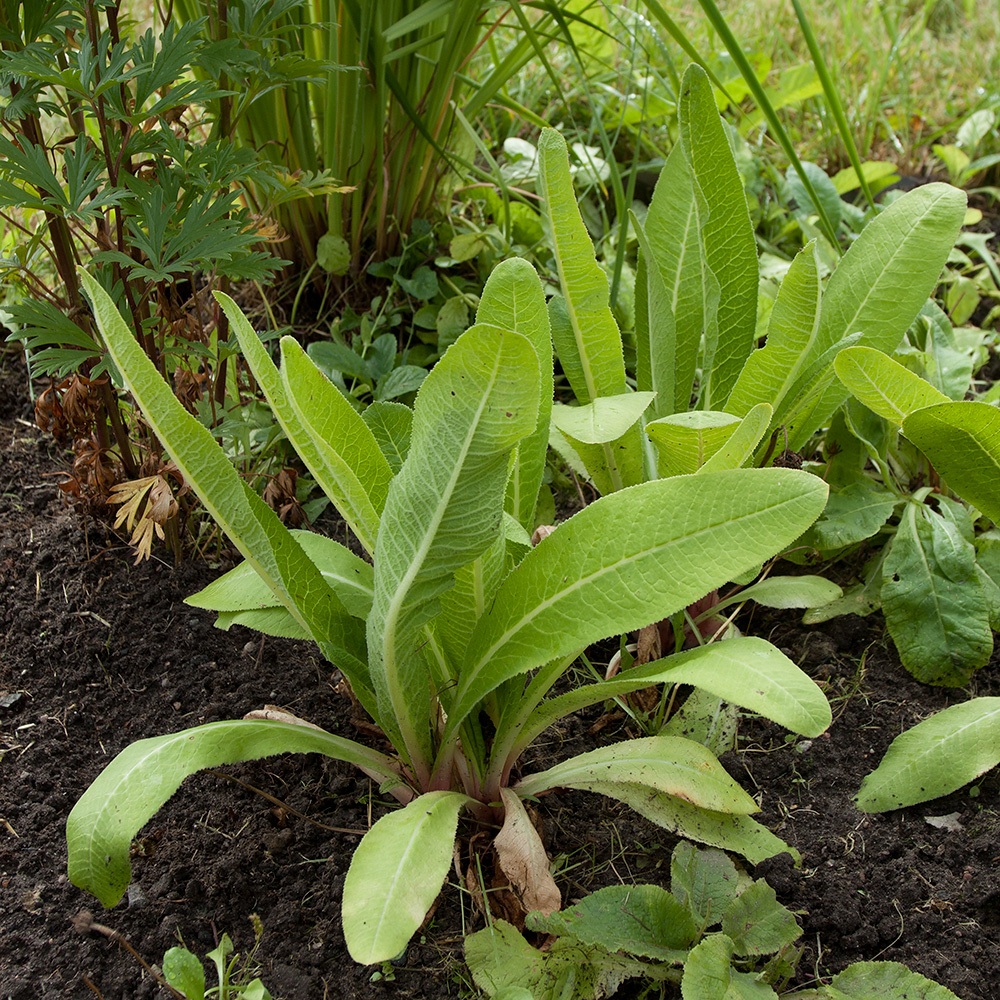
(758, 924)
(727, 232)
(444, 510)
(704, 880)
(686, 441)
(670, 764)
(825, 190)
(523, 860)
(933, 601)
(788, 592)
(143, 776)
(602, 421)
(390, 424)
(740, 445)
(962, 440)
(935, 757)
(881, 283)
(886, 981)
(513, 300)
(396, 874)
(654, 549)
(639, 919)
(851, 515)
(884, 385)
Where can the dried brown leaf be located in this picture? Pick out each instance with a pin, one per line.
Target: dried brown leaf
(522, 858)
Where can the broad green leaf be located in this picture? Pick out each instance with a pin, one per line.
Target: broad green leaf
(758, 924)
(444, 510)
(792, 334)
(642, 920)
(824, 187)
(729, 832)
(881, 283)
(707, 720)
(668, 764)
(886, 981)
(686, 441)
(680, 295)
(390, 424)
(739, 447)
(727, 234)
(873, 170)
(337, 446)
(241, 589)
(274, 621)
(656, 548)
(396, 874)
(935, 757)
(513, 300)
(708, 971)
(962, 441)
(705, 880)
(884, 385)
(184, 971)
(584, 331)
(787, 592)
(933, 601)
(143, 776)
(851, 515)
(602, 421)
(252, 526)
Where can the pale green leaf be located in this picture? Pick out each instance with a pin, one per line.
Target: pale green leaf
(630, 559)
(873, 170)
(396, 874)
(884, 385)
(758, 924)
(602, 421)
(513, 300)
(444, 510)
(669, 764)
(962, 440)
(705, 880)
(886, 981)
(185, 972)
(143, 776)
(825, 190)
(390, 424)
(686, 441)
(708, 970)
(740, 445)
(935, 757)
(787, 592)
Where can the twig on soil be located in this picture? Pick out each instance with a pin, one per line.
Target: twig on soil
(284, 805)
(84, 923)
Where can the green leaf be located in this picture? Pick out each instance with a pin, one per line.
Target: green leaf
(791, 347)
(962, 440)
(935, 757)
(584, 331)
(851, 515)
(705, 880)
(727, 234)
(933, 601)
(253, 527)
(669, 764)
(758, 924)
(708, 970)
(881, 283)
(513, 300)
(740, 445)
(884, 385)
(639, 919)
(391, 425)
(657, 547)
(400, 381)
(184, 971)
(333, 254)
(825, 190)
(787, 592)
(143, 776)
(444, 509)
(886, 981)
(396, 874)
(604, 420)
(686, 441)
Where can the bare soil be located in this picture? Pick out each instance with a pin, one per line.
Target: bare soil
(96, 653)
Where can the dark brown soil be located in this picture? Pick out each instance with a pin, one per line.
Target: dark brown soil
(96, 653)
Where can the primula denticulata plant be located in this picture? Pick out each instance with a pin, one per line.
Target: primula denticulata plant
(455, 633)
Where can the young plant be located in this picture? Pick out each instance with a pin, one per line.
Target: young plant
(661, 936)
(184, 971)
(453, 637)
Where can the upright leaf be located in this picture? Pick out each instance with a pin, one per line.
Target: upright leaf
(884, 385)
(444, 509)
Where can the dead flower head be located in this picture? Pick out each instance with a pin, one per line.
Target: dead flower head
(146, 506)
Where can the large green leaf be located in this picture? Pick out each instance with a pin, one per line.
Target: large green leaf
(669, 764)
(584, 331)
(513, 300)
(444, 509)
(933, 601)
(880, 285)
(962, 440)
(327, 433)
(253, 527)
(396, 874)
(884, 981)
(792, 332)
(935, 757)
(727, 234)
(143, 776)
(686, 441)
(884, 385)
(603, 420)
(630, 559)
